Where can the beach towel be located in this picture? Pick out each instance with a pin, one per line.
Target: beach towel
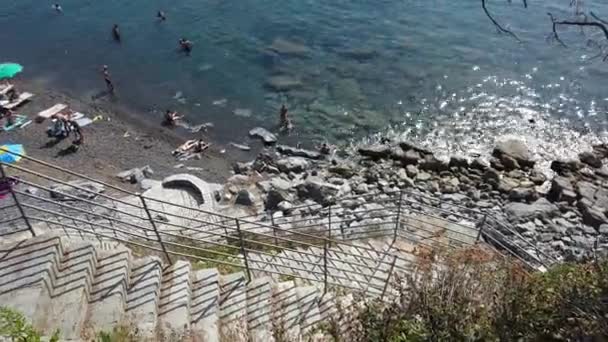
(47, 113)
(18, 121)
(83, 121)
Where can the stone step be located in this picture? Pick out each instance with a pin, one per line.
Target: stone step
(143, 296)
(108, 299)
(259, 321)
(71, 290)
(204, 309)
(309, 309)
(286, 311)
(233, 307)
(175, 301)
(27, 272)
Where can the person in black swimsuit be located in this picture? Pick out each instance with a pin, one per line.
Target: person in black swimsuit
(106, 77)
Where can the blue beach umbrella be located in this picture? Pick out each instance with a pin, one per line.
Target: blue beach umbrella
(9, 70)
(11, 153)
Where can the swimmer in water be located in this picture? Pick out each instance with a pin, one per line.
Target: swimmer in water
(116, 33)
(57, 8)
(185, 45)
(161, 16)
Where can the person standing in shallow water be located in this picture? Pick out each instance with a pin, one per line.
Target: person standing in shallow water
(284, 122)
(107, 79)
(116, 33)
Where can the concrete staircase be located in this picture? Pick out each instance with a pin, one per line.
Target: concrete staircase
(359, 265)
(82, 289)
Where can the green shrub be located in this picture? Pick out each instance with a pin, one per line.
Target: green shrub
(475, 297)
(15, 326)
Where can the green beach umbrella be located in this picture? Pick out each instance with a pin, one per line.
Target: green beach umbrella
(9, 70)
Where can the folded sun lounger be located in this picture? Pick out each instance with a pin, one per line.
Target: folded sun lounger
(5, 90)
(47, 113)
(22, 98)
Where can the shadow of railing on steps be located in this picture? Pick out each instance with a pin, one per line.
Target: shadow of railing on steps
(317, 243)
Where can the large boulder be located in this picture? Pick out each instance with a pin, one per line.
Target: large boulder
(457, 161)
(293, 164)
(593, 216)
(515, 149)
(135, 175)
(316, 189)
(274, 197)
(262, 133)
(72, 191)
(377, 151)
(245, 197)
(562, 190)
(597, 196)
(406, 145)
(565, 167)
(298, 152)
(540, 208)
(590, 159)
(431, 163)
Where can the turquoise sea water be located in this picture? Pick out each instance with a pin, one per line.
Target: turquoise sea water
(432, 70)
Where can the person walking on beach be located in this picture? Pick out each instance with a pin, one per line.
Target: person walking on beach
(106, 77)
(75, 127)
(58, 8)
(116, 33)
(161, 16)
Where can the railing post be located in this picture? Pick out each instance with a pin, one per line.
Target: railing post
(274, 229)
(481, 225)
(151, 219)
(17, 203)
(329, 222)
(325, 267)
(398, 223)
(243, 250)
(388, 279)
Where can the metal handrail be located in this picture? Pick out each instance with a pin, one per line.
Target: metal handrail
(356, 268)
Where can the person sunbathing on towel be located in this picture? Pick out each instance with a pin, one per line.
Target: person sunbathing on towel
(191, 146)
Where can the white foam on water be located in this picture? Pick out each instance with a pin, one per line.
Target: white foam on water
(470, 124)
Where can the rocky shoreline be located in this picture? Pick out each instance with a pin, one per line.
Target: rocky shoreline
(559, 216)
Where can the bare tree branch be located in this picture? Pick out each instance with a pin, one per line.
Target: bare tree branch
(585, 23)
(498, 26)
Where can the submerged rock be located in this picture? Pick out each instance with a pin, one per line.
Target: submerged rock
(288, 48)
(242, 112)
(283, 83)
